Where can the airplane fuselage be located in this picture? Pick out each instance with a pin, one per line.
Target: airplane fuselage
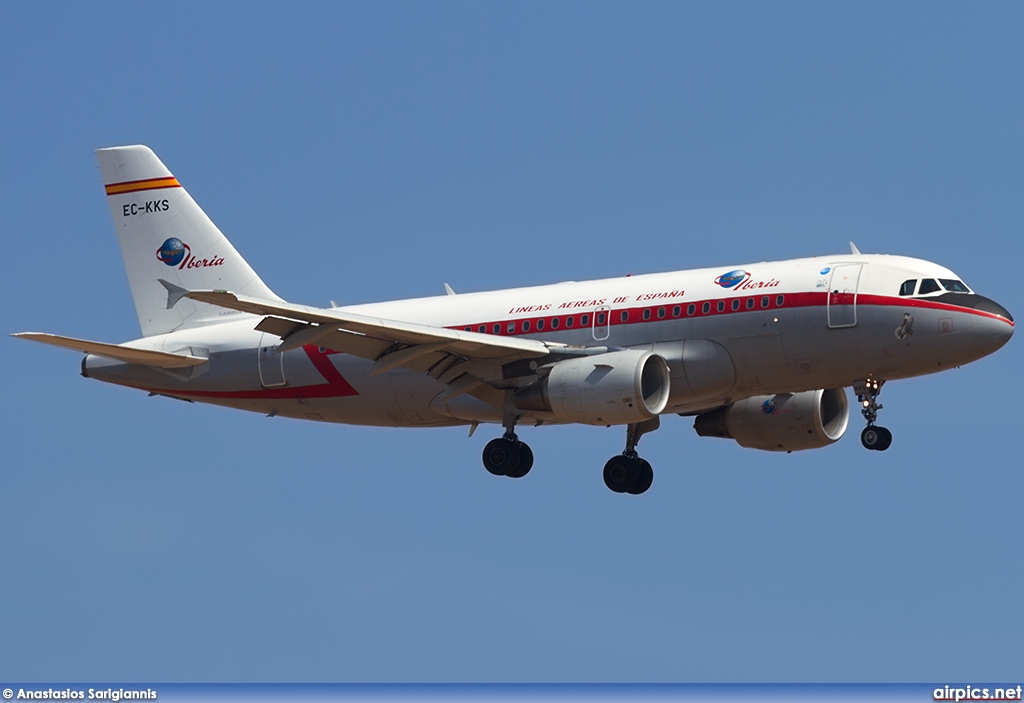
(757, 329)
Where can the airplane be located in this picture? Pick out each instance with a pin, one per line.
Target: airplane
(758, 353)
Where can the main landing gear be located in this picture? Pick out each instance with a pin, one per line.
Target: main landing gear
(627, 472)
(873, 436)
(624, 473)
(507, 456)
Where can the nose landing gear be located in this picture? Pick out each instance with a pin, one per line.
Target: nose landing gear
(873, 436)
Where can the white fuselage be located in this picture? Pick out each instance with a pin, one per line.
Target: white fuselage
(727, 333)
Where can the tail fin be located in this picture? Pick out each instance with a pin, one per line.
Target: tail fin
(164, 234)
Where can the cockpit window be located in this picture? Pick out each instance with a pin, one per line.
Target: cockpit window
(908, 287)
(928, 285)
(954, 286)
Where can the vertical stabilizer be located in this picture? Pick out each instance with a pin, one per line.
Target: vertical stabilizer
(165, 235)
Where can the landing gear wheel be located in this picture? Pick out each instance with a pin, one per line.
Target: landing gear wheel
(873, 437)
(502, 455)
(876, 438)
(869, 437)
(525, 461)
(644, 478)
(621, 473)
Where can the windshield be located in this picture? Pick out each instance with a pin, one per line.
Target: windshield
(954, 286)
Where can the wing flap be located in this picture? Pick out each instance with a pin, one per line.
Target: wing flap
(129, 355)
(355, 344)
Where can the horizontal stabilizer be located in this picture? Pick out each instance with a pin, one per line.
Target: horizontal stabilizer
(146, 357)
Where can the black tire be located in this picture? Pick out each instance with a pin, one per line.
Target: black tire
(870, 437)
(645, 477)
(525, 461)
(500, 455)
(621, 473)
(884, 439)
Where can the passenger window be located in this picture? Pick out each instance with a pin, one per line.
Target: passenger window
(647, 313)
(779, 300)
(735, 303)
(554, 323)
(750, 303)
(721, 306)
(569, 321)
(482, 329)
(764, 302)
(526, 325)
(600, 318)
(540, 325)
(511, 327)
(497, 328)
(908, 287)
(661, 313)
(928, 285)
(706, 308)
(584, 320)
(624, 315)
(676, 311)
(690, 309)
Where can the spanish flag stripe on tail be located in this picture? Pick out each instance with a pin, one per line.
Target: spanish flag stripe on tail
(146, 184)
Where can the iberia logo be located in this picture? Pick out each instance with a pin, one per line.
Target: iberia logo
(175, 252)
(741, 280)
(732, 279)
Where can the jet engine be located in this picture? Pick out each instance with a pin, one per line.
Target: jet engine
(784, 422)
(615, 388)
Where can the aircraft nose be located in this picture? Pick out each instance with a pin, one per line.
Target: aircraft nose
(993, 332)
(991, 306)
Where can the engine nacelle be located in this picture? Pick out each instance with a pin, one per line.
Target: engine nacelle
(616, 388)
(780, 423)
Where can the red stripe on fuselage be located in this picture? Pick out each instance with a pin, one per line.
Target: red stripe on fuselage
(885, 300)
(634, 315)
(336, 386)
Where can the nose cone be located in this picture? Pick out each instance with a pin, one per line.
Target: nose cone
(993, 330)
(990, 306)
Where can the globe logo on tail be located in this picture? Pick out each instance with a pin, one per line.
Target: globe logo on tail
(172, 251)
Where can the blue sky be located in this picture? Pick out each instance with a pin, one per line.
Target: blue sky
(363, 152)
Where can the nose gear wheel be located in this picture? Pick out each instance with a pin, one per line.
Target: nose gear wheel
(873, 437)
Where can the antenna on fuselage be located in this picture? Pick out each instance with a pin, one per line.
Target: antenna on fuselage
(854, 250)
